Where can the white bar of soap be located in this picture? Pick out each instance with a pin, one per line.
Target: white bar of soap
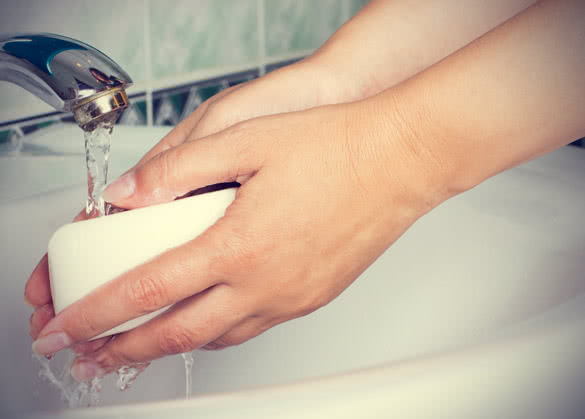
(87, 254)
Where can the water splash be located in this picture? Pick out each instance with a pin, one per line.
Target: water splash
(188, 358)
(127, 375)
(74, 394)
(97, 154)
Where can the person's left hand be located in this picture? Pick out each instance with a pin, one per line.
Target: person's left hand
(324, 192)
(302, 85)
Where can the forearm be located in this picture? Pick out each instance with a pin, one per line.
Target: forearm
(390, 41)
(514, 94)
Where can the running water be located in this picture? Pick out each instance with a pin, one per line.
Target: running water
(97, 153)
(74, 394)
(127, 375)
(188, 358)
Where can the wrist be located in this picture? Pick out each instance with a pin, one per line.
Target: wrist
(414, 158)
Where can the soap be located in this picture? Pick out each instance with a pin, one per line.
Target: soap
(87, 254)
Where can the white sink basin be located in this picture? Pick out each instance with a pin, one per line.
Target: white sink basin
(506, 259)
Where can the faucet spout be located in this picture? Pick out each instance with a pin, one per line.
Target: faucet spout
(67, 74)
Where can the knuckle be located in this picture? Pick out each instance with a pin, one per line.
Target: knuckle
(147, 294)
(176, 339)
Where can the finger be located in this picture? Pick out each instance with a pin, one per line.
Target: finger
(231, 155)
(40, 318)
(166, 279)
(185, 327)
(182, 131)
(90, 346)
(37, 291)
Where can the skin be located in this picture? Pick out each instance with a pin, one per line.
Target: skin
(344, 181)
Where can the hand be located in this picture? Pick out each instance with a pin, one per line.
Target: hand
(324, 192)
(299, 86)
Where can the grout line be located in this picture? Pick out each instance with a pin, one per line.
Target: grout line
(148, 63)
(261, 29)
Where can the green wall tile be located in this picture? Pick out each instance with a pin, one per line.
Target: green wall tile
(190, 35)
(293, 25)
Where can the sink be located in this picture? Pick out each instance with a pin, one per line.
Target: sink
(477, 310)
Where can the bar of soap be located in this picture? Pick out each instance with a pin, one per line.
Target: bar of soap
(87, 254)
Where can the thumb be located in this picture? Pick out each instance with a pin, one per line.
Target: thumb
(227, 156)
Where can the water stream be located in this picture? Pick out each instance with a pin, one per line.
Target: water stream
(188, 359)
(97, 154)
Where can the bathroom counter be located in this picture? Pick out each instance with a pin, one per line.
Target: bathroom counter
(479, 307)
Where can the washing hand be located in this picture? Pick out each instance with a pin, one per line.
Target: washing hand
(238, 103)
(300, 86)
(319, 202)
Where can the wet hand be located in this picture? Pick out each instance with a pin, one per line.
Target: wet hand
(298, 86)
(324, 192)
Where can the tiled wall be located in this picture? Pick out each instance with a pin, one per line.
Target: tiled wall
(178, 52)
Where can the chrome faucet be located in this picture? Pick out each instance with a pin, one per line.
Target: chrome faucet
(68, 74)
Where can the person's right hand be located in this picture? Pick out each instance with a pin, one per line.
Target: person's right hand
(299, 86)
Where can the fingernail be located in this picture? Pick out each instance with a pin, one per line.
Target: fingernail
(86, 370)
(51, 343)
(121, 188)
